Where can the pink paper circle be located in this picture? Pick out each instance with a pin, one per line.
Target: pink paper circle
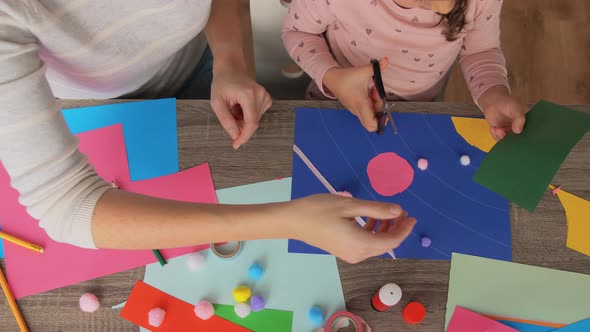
(389, 174)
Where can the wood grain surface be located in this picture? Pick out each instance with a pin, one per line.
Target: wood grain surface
(538, 238)
(547, 49)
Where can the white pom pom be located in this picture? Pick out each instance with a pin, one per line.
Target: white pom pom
(242, 310)
(422, 164)
(195, 261)
(465, 160)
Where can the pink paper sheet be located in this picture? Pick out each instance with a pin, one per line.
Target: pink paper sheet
(389, 174)
(464, 320)
(62, 264)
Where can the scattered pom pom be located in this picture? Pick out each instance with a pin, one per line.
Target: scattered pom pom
(555, 190)
(465, 160)
(257, 303)
(242, 310)
(344, 193)
(242, 294)
(255, 271)
(414, 313)
(156, 317)
(425, 241)
(422, 164)
(89, 303)
(316, 315)
(204, 310)
(195, 261)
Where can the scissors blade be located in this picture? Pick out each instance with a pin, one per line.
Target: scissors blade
(392, 123)
(388, 110)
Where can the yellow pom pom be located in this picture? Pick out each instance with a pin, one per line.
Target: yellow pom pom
(242, 294)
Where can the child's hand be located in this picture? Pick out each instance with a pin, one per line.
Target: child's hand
(327, 221)
(349, 85)
(502, 111)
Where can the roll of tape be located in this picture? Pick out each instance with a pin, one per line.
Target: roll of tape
(346, 319)
(227, 254)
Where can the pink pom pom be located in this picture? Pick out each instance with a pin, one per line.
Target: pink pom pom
(422, 164)
(204, 310)
(344, 193)
(89, 303)
(156, 317)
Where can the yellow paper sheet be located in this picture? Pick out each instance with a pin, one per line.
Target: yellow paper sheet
(475, 131)
(577, 214)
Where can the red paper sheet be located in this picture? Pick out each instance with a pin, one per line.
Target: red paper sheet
(61, 264)
(179, 314)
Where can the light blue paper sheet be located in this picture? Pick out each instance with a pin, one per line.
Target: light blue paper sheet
(581, 326)
(291, 282)
(525, 327)
(149, 128)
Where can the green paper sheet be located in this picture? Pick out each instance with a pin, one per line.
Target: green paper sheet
(520, 167)
(267, 320)
(508, 289)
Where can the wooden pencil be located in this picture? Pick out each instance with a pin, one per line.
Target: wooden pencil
(20, 242)
(12, 303)
(159, 256)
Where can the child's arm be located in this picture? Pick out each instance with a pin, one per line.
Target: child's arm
(302, 35)
(484, 68)
(303, 38)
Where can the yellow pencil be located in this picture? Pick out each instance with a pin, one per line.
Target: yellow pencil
(12, 302)
(20, 242)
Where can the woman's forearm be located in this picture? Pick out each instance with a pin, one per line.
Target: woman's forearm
(124, 220)
(224, 34)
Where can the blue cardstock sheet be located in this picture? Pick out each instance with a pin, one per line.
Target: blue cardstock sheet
(456, 213)
(149, 128)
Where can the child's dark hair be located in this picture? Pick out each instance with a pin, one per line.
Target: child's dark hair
(456, 19)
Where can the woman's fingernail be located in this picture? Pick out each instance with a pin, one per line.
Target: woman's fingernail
(395, 211)
(233, 133)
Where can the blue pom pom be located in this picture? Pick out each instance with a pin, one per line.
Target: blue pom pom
(255, 271)
(316, 315)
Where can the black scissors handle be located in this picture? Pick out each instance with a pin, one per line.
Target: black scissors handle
(377, 79)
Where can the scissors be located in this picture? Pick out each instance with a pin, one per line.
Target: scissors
(385, 114)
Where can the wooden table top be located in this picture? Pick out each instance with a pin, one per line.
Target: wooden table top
(538, 238)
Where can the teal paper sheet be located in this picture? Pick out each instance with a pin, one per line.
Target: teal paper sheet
(291, 282)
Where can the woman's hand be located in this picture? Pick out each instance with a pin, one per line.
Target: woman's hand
(327, 221)
(349, 85)
(238, 101)
(502, 111)
(236, 98)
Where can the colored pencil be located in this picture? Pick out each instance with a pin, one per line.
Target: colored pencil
(12, 302)
(159, 256)
(20, 242)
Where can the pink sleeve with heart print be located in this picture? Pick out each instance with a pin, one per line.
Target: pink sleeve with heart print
(303, 38)
(321, 34)
(481, 58)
